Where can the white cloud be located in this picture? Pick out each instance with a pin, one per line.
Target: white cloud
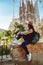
(5, 22)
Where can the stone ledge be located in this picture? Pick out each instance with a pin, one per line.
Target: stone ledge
(38, 47)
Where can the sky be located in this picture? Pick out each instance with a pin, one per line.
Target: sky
(6, 12)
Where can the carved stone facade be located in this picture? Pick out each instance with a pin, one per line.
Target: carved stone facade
(26, 11)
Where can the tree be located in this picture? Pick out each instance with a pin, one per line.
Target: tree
(3, 33)
(18, 26)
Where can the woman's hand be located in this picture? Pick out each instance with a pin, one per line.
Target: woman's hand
(18, 33)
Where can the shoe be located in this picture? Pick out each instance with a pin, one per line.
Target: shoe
(29, 57)
(15, 41)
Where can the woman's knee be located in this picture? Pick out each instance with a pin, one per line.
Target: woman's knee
(24, 43)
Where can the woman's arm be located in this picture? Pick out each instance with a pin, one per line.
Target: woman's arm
(27, 32)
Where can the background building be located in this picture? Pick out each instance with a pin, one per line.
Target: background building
(27, 12)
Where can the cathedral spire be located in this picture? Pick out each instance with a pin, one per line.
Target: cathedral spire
(27, 4)
(23, 10)
(31, 2)
(32, 8)
(22, 2)
(27, 8)
(27, 1)
(20, 6)
(36, 11)
(23, 6)
(20, 11)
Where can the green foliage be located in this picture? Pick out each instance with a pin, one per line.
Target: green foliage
(7, 36)
(8, 33)
(19, 26)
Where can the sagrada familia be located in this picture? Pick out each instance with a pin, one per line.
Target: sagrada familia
(28, 11)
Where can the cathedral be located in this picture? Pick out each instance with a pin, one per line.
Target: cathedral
(27, 11)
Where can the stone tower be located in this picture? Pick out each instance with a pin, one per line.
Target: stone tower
(20, 12)
(27, 10)
(23, 11)
(36, 12)
(32, 11)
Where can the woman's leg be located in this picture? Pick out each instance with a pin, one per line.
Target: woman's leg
(19, 36)
(24, 46)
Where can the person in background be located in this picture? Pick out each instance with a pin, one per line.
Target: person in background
(28, 37)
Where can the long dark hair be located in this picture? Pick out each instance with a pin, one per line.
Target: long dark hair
(30, 23)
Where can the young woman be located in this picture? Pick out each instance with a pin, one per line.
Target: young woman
(28, 38)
